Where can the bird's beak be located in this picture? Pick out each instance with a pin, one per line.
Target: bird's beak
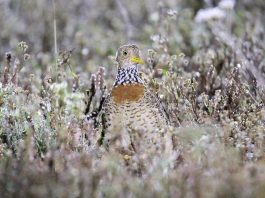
(135, 59)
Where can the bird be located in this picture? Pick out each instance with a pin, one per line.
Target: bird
(130, 103)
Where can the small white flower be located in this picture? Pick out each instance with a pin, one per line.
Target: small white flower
(85, 51)
(227, 4)
(172, 12)
(209, 14)
(249, 155)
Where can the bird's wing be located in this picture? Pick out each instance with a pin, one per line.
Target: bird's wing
(158, 104)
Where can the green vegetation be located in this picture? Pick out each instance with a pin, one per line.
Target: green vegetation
(205, 59)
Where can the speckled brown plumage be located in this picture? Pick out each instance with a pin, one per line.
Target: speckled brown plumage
(130, 103)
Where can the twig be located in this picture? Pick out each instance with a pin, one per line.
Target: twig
(94, 114)
(125, 18)
(17, 68)
(91, 92)
(55, 38)
(7, 68)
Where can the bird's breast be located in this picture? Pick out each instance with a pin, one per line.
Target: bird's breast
(127, 93)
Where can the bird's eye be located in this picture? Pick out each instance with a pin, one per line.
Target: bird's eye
(125, 53)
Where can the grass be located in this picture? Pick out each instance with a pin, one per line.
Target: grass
(208, 72)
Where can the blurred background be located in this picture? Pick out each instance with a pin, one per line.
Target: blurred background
(95, 29)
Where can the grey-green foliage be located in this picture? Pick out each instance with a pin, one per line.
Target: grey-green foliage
(205, 60)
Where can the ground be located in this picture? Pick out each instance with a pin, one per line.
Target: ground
(204, 59)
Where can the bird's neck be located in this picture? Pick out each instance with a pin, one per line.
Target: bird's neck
(128, 75)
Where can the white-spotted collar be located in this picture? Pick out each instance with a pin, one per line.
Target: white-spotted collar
(128, 75)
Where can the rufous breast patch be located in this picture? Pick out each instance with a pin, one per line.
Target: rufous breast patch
(127, 93)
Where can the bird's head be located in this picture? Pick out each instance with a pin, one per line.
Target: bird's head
(128, 55)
